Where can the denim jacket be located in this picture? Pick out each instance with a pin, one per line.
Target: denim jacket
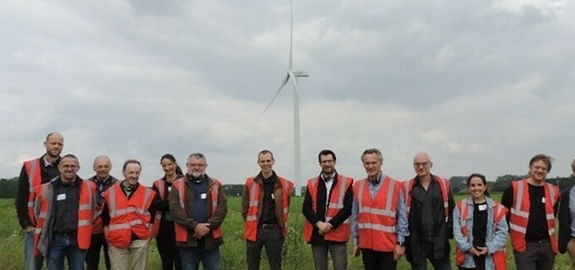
(496, 237)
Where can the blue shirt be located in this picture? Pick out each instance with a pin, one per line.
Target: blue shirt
(401, 230)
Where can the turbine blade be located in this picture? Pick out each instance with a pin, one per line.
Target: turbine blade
(290, 36)
(279, 90)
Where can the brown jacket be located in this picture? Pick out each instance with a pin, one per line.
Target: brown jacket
(278, 195)
(186, 220)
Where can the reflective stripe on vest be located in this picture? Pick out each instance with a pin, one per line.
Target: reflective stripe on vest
(181, 232)
(445, 187)
(387, 212)
(160, 185)
(85, 212)
(519, 214)
(34, 172)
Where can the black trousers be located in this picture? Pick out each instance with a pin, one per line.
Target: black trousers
(93, 254)
(272, 238)
(378, 260)
(166, 243)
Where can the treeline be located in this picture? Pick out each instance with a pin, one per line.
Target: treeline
(8, 187)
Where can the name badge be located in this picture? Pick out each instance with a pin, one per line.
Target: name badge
(543, 200)
(273, 197)
(203, 196)
(482, 207)
(61, 197)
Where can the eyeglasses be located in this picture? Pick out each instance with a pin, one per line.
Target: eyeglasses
(69, 166)
(423, 164)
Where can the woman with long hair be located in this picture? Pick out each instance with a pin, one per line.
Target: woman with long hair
(163, 228)
(480, 229)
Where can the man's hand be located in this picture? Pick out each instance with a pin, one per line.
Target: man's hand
(201, 230)
(398, 252)
(323, 227)
(30, 228)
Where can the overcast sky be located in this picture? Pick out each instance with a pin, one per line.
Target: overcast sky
(480, 85)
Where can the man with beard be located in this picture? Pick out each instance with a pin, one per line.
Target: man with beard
(34, 173)
(199, 206)
(327, 207)
(103, 180)
(128, 220)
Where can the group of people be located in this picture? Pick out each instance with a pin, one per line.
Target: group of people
(65, 216)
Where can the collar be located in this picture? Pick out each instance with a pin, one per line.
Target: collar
(48, 164)
(327, 178)
(377, 180)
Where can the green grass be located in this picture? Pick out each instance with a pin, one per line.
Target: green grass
(296, 254)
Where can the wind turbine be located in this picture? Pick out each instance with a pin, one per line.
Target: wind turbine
(293, 75)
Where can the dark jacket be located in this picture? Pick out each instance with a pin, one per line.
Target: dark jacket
(21, 202)
(184, 218)
(565, 219)
(319, 215)
(278, 196)
(443, 226)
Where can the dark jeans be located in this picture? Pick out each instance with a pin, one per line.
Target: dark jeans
(537, 256)
(273, 240)
(166, 243)
(421, 263)
(93, 254)
(191, 258)
(338, 255)
(378, 260)
(63, 246)
(32, 262)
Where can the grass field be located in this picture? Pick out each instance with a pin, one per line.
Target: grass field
(297, 254)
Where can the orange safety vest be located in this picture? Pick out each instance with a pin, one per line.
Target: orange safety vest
(34, 171)
(180, 186)
(445, 186)
(341, 234)
(251, 226)
(161, 186)
(45, 197)
(499, 212)
(519, 214)
(128, 216)
(376, 220)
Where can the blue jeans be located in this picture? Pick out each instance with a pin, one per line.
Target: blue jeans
(32, 262)
(61, 247)
(192, 256)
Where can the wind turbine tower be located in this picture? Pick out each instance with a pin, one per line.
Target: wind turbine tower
(293, 75)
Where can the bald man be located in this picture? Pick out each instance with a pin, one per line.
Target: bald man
(103, 180)
(34, 173)
(430, 212)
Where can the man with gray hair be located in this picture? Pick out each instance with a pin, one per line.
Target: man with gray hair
(103, 180)
(430, 207)
(378, 219)
(199, 206)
